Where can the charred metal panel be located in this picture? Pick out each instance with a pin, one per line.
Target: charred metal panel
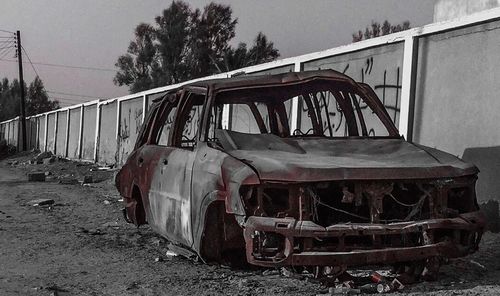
(106, 151)
(74, 133)
(61, 133)
(380, 67)
(216, 177)
(88, 138)
(131, 114)
(51, 125)
(170, 195)
(278, 70)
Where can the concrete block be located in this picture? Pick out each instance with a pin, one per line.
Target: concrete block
(87, 179)
(36, 177)
(41, 202)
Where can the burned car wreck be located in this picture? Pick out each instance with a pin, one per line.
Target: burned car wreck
(299, 169)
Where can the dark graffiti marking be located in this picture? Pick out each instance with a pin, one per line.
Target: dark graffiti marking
(384, 86)
(388, 90)
(369, 65)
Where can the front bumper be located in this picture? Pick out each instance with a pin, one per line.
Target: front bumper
(274, 242)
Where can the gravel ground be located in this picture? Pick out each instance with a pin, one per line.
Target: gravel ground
(80, 245)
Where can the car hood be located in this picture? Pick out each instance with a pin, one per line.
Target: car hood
(322, 159)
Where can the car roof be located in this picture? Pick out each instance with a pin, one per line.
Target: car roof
(267, 80)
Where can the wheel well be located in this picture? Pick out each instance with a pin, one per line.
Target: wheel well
(222, 239)
(140, 214)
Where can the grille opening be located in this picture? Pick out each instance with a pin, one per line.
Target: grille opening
(461, 199)
(405, 202)
(443, 235)
(331, 197)
(405, 198)
(275, 201)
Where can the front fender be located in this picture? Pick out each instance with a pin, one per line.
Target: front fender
(234, 174)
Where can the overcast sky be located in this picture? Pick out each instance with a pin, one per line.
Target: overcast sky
(94, 33)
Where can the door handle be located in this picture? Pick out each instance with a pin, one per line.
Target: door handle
(165, 161)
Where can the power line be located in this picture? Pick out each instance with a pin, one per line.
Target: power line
(69, 100)
(70, 94)
(68, 66)
(6, 31)
(9, 46)
(5, 52)
(32, 66)
(6, 49)
(75, 67)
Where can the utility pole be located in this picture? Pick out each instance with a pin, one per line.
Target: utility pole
(22, 118)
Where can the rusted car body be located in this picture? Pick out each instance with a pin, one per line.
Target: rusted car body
(217, 169)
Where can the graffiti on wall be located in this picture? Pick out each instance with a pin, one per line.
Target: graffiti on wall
(130, 124)
(383, 77)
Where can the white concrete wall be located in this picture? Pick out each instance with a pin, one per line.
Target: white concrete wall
(445, 10)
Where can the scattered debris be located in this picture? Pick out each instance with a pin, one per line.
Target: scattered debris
(156, 241)
(111, 224)
(343, 291)
(87, 179)
(269, 272)
(36, 177)
(41, 156)
(478, 264)
(103, 168)
(107, 202)
(41, 202)
(368, 288)
(171, 254)
(96, 231)
(158, 259)
(48, 173)
(49, 160)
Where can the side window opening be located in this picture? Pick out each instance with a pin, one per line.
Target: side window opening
(163, 135)
(147, 126)
(161, 126)
(189, 121)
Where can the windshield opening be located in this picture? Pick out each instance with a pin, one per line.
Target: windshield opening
(325, 109)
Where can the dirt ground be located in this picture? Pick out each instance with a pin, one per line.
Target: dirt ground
(81, 245)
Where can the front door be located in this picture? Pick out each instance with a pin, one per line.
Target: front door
(170, 190)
